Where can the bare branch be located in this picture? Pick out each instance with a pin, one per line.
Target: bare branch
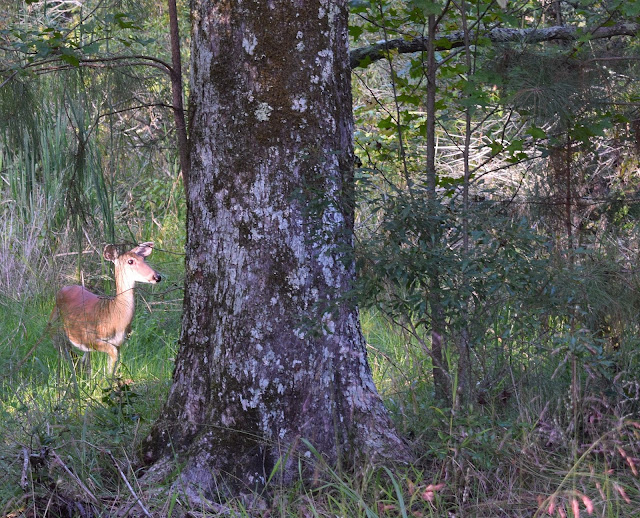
(55, 64)
(366, 55)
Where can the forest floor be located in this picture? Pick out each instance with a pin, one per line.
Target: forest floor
(68, 439)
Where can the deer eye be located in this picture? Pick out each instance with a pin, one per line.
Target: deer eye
(130, 261)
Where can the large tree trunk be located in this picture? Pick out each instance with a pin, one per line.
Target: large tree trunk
(271, 349)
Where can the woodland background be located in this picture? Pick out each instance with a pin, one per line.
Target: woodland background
(497, 241)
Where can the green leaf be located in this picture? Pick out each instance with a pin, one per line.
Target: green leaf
(355, 31)
(365, 62)
(386, 123)
(68, 56)
(426, 6)
(536, 132)
(42, 48)
(415, 100)
(92, 48)
(496, 147)
(515, 145)
(122, 19)
(630, 8)
(583, 132)
(443, 43)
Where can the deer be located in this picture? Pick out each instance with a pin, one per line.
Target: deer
(95, 323)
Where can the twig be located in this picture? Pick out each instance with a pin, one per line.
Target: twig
(8, 79)
(65, 254)
(144, 510)
(25, 467)
(75, 477)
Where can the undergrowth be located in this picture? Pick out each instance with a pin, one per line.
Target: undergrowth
(68, 436)
(554, 429)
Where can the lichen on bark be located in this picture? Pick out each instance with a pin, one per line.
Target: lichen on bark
(271, 350)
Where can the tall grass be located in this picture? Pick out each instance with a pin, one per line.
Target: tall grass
(32, 188)
(53, 409)
(532, 445)
(77, 435)
(524, 452)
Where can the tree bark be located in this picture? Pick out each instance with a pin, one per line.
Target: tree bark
(271, 348)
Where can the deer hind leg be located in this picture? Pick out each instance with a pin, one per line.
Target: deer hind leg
(63, 347)
(113, 360)
(80, 357)
(76, 357)
(79, 361)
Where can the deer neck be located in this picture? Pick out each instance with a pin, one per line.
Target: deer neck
(123, 303)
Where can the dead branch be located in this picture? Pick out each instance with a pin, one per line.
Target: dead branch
(364, 56)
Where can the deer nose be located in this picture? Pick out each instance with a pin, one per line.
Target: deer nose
(157, 277)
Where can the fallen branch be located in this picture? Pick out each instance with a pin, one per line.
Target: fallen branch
(81, 484)
(133, 493)
(25, 469)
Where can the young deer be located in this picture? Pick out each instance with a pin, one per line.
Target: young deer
(102, 323)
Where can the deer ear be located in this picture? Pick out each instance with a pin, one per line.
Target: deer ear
(143, 249)
(110, 253)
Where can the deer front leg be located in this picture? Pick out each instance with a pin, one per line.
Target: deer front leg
(112, 351)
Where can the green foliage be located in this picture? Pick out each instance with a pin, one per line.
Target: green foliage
(73, 35)
(518, 249)
(512, 250)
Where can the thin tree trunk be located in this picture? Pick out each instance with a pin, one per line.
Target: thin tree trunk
(440, 375)
(271, 352)
(175, 75)
(464, 353)
(568, 198)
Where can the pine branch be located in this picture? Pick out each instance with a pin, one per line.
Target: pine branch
(363, 56)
